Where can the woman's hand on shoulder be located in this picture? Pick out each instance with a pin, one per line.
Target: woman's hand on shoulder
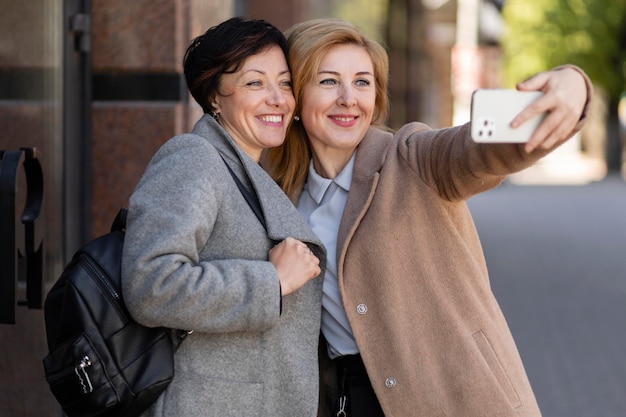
(294, 263)
(564, 97)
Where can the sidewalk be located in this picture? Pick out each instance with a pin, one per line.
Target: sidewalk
(565, 166)
(557, 261)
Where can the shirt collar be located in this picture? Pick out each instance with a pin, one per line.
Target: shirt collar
(317, 185)
(344, 179)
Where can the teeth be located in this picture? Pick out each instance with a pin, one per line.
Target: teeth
(344, 119)
(272, 119)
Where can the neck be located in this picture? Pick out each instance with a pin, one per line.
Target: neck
(329, 164)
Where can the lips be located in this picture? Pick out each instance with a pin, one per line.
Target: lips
(344, 120)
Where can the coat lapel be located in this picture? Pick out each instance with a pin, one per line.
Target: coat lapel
(370, 157)
(281, 217)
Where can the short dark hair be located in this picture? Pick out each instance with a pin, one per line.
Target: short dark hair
(223, 49)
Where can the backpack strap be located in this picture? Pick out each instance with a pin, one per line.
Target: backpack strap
(119, 223)
(251, 198)
(253, 201)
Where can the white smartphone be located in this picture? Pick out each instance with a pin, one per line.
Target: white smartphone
(493, 110)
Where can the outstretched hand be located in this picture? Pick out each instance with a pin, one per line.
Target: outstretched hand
(565, 96)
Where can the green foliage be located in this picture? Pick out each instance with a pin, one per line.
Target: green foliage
(369, 15)
(545, 33)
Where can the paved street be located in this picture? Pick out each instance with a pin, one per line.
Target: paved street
(557, 261)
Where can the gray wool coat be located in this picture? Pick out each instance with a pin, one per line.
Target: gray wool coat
(196, 257)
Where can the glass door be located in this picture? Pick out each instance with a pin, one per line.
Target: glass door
(45, 106)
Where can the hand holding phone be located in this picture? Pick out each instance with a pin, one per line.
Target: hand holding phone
(493, 110)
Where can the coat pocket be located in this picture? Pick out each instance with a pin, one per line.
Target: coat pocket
(496, 368)
(193, 394)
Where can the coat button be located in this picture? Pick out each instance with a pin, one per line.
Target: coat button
(390, 382)
(361, 309)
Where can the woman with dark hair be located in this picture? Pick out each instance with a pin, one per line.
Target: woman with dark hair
(196, 256)
(410, 325)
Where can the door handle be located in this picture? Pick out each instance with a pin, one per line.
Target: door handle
(11, 260)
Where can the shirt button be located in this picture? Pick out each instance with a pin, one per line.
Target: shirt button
(390, 382)
(361, 309)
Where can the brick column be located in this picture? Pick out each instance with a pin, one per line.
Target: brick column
(139, 92)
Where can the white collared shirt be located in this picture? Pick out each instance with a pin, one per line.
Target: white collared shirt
(321, 204)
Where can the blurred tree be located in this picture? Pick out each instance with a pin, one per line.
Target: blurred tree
(541, 34)
(369, 15)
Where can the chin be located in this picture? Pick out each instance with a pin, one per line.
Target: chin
(273, 143)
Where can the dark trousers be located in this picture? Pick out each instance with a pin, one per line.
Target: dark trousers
(356, 397)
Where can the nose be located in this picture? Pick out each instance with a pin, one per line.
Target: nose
(276, 95)
(346, 96)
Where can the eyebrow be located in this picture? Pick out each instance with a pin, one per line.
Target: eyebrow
(286, 71)
(336, 73)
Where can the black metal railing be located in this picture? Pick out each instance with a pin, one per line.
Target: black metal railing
(15, 263)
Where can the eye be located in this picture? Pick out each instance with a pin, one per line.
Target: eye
(363, 82)
(254, 83)
(329, 82)
(286, 84)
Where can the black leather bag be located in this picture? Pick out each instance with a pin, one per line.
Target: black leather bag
(100, 361)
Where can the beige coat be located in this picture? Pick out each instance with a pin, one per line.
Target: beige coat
(414, 281)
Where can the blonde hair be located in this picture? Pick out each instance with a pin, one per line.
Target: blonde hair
(308, 44)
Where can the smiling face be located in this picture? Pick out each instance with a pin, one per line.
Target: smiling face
(338, 105)
(255, 104)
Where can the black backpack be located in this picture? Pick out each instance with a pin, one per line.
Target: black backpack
(101, 362)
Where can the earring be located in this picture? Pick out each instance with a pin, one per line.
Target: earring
(296, 118)
(215, 115)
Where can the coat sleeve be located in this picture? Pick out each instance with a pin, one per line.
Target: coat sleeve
(456, 167)
(449, 161)
(169, 277)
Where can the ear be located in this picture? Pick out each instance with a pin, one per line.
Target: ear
(215, 104)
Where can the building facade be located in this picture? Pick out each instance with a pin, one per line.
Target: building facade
(95, 87)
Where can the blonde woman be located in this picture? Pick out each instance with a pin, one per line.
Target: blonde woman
(409, 321)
